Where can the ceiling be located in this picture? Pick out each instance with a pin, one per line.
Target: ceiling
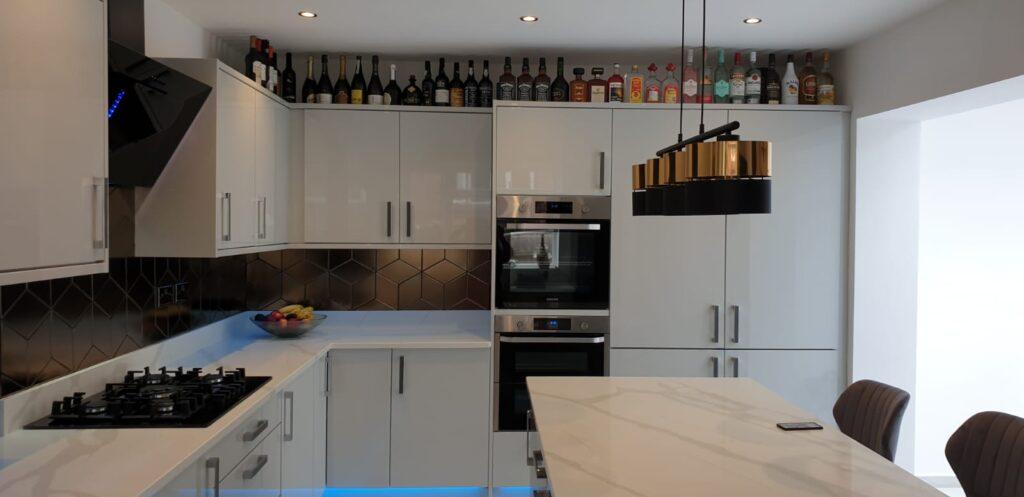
(463, 27)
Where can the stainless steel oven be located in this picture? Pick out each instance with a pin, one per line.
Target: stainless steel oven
(542, 346)
(552, 252)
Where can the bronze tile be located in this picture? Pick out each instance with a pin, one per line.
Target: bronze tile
(318, 292)
(482, 272)
(366, 257)
(455, 291)
(363, 292)
(318, 257)
(291, 257)
(273, 258)
(305, 271)
(444, 271)
(341, 295)
(479, 293)
(432, 291)
(387, 292)
(374, 305)
(458, 257)
(24, 311)
(409, 295)
(413, 258)
(263, 284)
(337, 257)
(397, 272)
(432, 256)
(353, 272)
(385, 257)
(478, 257)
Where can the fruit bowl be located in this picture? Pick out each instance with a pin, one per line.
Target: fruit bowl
(292, 328)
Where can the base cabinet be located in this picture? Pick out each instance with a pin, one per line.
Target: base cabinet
(259, 473)
(675, 363)
(808, 378)
(303, 428)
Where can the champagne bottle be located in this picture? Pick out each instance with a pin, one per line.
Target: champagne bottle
(442, 91)
(486, 87)
(342, 92)
(309, 86)
(375, 90)
(392, 93)
(324, 89)
(428, 85)
(288, 80)
(358, 92)
(472, 88)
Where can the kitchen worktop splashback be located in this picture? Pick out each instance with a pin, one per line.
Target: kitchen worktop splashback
(52, 328)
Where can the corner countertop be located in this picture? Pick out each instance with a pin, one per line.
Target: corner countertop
(138, 462)
(664, 437)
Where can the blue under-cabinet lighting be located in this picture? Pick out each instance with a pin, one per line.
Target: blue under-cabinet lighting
(406, 492)
(114, 105)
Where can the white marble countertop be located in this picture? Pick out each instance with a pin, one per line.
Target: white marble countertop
(703, 437)
(138, 462)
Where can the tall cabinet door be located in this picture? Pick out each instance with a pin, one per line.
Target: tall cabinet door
(351, 176)
(446, 178)
(53, 133)
(440, 417)
(359, 418)
(672, 363)
(809, 379)
(552, 151)
(273, 148)
(302, 435)
(236, 162)
(785, 278)
(669, 293)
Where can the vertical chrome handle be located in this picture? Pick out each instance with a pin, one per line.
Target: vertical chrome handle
(735, 367)
(408, 219)
(214, 464)
(401, 374)
(736, 325)
(389, 219)
(225, 217)
(327, 374)
(289, 432)
(100, 219)
(601, 173)
(714, 334)
(264, 232)
(530, 461)
(714, 366)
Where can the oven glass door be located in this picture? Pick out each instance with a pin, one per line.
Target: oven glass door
(552, 264)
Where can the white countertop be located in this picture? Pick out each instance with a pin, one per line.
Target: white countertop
(655, 437)
(138, 462)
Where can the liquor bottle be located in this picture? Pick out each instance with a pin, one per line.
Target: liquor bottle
(772, 93)
(252, 58)
(392, 93)
(486, 86)
(578, 87)
(358, 90)
(288, 80)
(507, 82)
(635, 86)
(689, 79)
(324, 89)
(342, 92)
(309, 85)
(428, 85)
(616, 85)
(826, 84)
(790, 83)
(597, 87)
(670, 87)
(472, 88)
(542, 83)
(652, 89)
(375, 90)
(442, 91)
(753, 81)
(560, 87)
(808, 81)
(721, 80)
(737, 80)
(524, 83)
(412, 95)
(707, 89)
(273, 75)
(456, 90)
(264, 80)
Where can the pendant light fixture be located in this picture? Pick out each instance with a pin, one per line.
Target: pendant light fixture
(701, 176)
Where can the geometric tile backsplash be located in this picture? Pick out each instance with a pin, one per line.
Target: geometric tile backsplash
(51, 328)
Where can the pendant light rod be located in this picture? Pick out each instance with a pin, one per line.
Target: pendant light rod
(703, 57)
(707, 135)
(682, 53)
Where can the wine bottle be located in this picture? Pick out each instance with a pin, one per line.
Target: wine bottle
(324, 89)
(560, 87)
(342, 92)
(252, 58)
(428, 85)
(375, 90)
(507, 82)
(772, 93)
(808, 81)
(721, 80)
(486, 87)
(456, 90)
(542, 83)
(442, 89)
(264, 77)
(392, 93)
(616, 85)
(524, 83)
(752, 91)
(737, 80)
(273, 75)
(690, 85)
(309, 85)
(826, 84)
(358, 91)
(790, 84)
(472, 88)
(412, 95)
(288, 80)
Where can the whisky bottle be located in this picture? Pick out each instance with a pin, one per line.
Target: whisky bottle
(578, 87)
(808, 81)
(542, 83)
(772, 93)
(524, 83)
(507, 82)
(412, 95)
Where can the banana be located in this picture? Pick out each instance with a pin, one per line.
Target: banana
(290, 309)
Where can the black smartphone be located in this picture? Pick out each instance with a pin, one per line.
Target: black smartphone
(802, 425)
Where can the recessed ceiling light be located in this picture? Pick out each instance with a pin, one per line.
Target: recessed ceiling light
(529, 18)
(307, 14)
(752, 20)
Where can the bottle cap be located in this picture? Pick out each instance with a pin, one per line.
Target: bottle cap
(597, 71)
(579, 71)
(652, 67)
(670, 67)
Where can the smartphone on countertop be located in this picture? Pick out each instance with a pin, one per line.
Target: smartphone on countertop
(799, 426)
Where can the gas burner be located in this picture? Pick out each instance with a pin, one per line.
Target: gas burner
(94, 408)
(213, 378)
(157, 392)
(163, 407)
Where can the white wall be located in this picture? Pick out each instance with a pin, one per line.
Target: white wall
(169, 34)
(970, 333)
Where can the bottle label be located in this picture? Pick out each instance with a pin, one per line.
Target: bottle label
(772, 90)
(653, 94)
(690, 88)
(543, 92)
(506, 91)
(737, 86)
(486, 96)
(597, 93)
(357, 97)
(753, 84)
(410, 97)
(791, 92)
(826, 94)
(636, 90)
(458, 97)
(324, 98)
(616, 91)
(257, 70)
(809, 88)
(472, 97)
(387, 99)
(272, 80)
(579, 92)
(721, 88)
(441, 96)
(559, 95)
(671, 95)
(341, 97)
(524, 91)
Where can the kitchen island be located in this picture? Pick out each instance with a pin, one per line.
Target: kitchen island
(654, 437)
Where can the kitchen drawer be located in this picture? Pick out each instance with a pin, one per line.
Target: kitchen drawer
(247, 435)
(259, 472)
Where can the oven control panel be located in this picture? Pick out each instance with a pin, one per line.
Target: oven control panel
(548, 324)
(553, 207)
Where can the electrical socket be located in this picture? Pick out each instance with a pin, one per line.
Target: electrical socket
(164, 295)
(181, 292)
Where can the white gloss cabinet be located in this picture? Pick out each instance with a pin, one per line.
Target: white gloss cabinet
(53, 139)
(359, 418)
(236, 162)
(552, 151)
(271, 161)
(445, 161)
(303, 432)
(807, 378)
(672, 363)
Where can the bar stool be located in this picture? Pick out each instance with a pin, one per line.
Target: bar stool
(987, 455)
(870, 413)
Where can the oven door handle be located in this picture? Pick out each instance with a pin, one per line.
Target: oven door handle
(551, 339)
(553, 226)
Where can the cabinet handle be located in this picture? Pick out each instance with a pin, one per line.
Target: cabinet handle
(261, 461)
(99, 200)
(542, 474)
(214, 464)
(389, 219)
(736, 325)
(601, 173)
(714, 334)
(289, 400)
(714, 366)
(251, 435)
(735, 367)
(401, 374)
(408, 219)
(225, 217)
(327, 374)
(263, 233)
(530, 461)
(541, 493)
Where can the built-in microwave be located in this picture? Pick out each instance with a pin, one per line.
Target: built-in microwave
(552, 252)
(526, 346)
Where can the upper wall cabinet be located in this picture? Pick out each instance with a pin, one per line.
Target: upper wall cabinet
(552, 150)
(53, 139)
(225, 189)
(384, 177)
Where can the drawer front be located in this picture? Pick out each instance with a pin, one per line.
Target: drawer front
(247, 435)
(259, 472)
